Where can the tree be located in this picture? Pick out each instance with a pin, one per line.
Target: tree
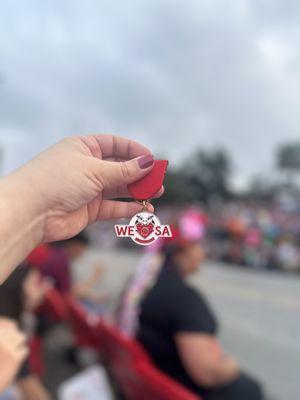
(288, 159)
(201, 178)
(261, 188)
(208, 174)
(176, 187)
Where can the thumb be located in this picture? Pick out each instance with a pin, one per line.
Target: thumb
(124, 172)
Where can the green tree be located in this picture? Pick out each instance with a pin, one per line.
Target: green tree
(288, 159)
(202, 177)
(208, 174)
(176, 187)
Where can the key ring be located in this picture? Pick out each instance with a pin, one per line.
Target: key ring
(144, 203)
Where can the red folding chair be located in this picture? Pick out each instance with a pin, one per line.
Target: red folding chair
(117, 347)
(156, 385)
(84, 325)
(35, 358)
(120, 355)
(54, 305)
(54, 308)
(128, 364)
(133, 371)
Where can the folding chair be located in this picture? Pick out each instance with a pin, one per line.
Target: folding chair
(127, 362)
(135, 374)
(119, 354)
(156, 385)
(54, 305)
(83, 324)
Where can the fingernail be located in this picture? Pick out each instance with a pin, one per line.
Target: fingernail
(145, 161)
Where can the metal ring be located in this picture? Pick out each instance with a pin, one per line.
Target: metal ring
(144, 203)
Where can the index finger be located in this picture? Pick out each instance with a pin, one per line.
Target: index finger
(118, 147)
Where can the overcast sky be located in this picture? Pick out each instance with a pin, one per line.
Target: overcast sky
(172, 74)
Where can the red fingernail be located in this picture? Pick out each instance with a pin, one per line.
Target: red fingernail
(146, 161)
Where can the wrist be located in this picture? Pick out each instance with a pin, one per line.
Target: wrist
(22, 195)
(21, 220)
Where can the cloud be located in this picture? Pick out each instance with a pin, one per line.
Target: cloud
(173, 75)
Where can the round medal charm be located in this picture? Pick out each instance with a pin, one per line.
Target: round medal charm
(144, 228)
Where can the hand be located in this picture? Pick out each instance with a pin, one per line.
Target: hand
(13, 351)
(75, 182)
(35, 289)
(60, 192)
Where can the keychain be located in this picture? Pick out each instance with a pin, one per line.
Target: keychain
(145, 228)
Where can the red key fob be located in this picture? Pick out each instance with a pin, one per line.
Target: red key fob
(146, 187)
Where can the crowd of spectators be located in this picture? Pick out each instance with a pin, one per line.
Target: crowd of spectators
(262, 236)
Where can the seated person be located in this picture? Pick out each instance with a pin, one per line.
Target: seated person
(54, 262)
(13, 352)
(21, 293)
(177, 326)
(91, 299)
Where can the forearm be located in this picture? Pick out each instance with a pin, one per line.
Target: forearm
(20, 221)
(213, 374)
(220, 373)
(227, 371)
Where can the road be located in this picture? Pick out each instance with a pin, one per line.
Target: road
(259, 315)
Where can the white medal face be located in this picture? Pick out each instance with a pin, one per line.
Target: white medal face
(144, 228)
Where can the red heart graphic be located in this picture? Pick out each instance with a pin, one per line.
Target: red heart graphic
(144, 230)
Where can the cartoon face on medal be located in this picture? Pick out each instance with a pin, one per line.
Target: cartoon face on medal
(145, 228)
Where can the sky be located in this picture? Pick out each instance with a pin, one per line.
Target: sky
(175, 75)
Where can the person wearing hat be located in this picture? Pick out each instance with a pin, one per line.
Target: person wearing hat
(177, 326)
